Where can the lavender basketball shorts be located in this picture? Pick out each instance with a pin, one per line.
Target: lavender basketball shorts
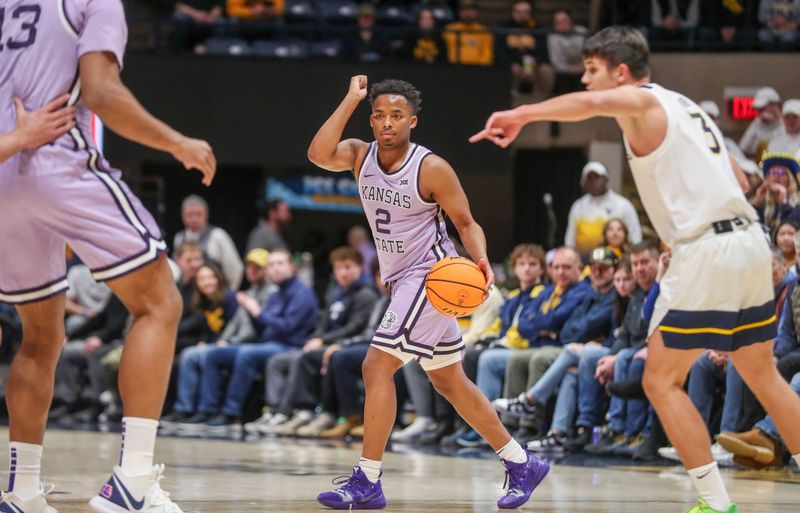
(44, 208)
(413, 327)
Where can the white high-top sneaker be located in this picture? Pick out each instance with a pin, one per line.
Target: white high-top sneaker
(143, 494)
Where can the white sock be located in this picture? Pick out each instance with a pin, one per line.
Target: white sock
(25, 465)
(513, 451)
(708, 483)
(796, 458)
(371, 469)
(138, 444)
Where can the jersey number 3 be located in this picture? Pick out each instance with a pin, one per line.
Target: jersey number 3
(711, 139)
(30, 15)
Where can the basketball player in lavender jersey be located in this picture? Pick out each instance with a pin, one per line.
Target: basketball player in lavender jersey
(65, 193)
(405, 190)
(717, 293)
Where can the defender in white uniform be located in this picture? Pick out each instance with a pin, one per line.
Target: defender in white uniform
(717, 293)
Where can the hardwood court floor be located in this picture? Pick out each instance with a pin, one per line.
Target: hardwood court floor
(278, 475)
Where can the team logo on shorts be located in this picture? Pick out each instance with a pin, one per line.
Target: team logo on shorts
(389, 318)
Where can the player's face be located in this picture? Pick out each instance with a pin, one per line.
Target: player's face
(189, 262)
(598, 75)
(601, 275)
(195, 217)
(207, 282)
(346, 272)
(392, 120)
(645, 267)
(623, 282)
(528, 269)
(615, 234)
(566, 268)
(255, 273)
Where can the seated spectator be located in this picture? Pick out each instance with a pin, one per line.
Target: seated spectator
(10, 332)
(189, 258)
(618, 362)
(784, 242)
(777, 198)
(539, 324)
(789, 140)
(727, 22)
(518, 46)
(217, 245)
(590, 322)
(425, 44)
(779, 20)
(766, 126)
(359, 239)
(673, 20)
(348, 305)
(193, 21)
(632, 14)
(267, 234)
(85, 297)
(747, 165)
(226, 324)
(469, 42)
(615, 236)
(565, 48)
(589, 214)
(253, 19)
(83, 353)
(288, 318)
(366, 43)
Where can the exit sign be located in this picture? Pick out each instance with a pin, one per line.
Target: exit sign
(739, 103)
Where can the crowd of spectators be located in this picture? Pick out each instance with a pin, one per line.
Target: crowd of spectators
(455, 31)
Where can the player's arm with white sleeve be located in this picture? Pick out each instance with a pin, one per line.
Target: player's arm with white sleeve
(100, 45)
(37, 127)
(327, 149)
(438, 181)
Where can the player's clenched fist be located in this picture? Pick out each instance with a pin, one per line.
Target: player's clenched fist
(358, 87)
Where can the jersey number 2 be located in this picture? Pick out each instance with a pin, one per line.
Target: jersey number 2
(32, 13)
(383, 219)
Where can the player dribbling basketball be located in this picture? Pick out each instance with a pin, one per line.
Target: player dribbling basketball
(404, 189)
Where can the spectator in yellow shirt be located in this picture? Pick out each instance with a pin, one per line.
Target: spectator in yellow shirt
(252, 10)
(469, 42)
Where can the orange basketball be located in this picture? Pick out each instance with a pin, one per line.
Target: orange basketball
(455, 286)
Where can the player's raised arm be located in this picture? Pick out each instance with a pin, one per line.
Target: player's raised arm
(627, 101)
(107, 96)
(327, 150)
(438, 180)
(37, 127)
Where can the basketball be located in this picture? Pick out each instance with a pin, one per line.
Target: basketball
(455, 286)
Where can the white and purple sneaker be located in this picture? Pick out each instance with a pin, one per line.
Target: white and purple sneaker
(521, 480)
(143, 494)
(357, 493)
(10, 503)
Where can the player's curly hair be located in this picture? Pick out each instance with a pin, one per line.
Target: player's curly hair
(399, 87)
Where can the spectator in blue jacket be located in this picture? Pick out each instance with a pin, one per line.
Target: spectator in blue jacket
(288, 319)
(539, 323)
(590, 321)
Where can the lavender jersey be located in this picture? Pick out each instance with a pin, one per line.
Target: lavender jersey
(63, 193)
(409, 232)
(42, 43)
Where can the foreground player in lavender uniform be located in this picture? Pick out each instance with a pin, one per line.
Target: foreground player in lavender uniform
(405, 189)
(685, 177)
(66, 193)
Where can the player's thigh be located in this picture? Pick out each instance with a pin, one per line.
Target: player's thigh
(754, 362)
(150, 290)
(666, 367)
(382, 362)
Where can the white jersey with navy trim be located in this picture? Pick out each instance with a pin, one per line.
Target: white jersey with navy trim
(687, 183)
(409, 232)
